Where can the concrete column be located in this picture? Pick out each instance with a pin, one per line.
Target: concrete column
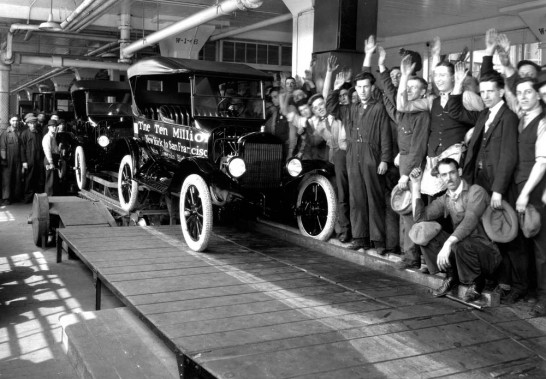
(4, 95)
(302, 34)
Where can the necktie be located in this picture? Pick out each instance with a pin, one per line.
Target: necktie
(487, 120)
(522, 122)
(444, 97)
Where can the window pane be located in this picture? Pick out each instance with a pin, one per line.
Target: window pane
(228, 52)
(262, 54)
(286, 55)
(250, 53)
(273, 54)
(240, 52)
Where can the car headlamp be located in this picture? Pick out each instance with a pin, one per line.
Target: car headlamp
(236, 167)
(103, 141)
(294, 167)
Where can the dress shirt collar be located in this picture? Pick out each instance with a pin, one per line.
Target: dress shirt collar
(530, 115)
(454, 195)
(494, 110)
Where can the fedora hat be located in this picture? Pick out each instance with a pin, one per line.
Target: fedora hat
(501, 225)
(529, 221)
(401, 200)
(423, 232)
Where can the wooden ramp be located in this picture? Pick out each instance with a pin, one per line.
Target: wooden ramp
(75, 211)
(237, 312)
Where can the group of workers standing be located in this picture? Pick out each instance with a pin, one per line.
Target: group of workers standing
(29, 157)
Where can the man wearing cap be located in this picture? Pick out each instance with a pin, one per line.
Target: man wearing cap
(11, 162)
(467, 255)
(530, 176)
(32, 159)
(51, 158)
(41, 123)
(490, 162)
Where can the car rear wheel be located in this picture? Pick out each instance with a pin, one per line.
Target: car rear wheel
(316, 207)
(127, 187)
(196, 212)
(80, 167)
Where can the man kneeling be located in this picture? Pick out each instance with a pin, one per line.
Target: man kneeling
(467, 255)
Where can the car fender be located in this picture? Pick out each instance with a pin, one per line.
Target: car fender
(200, 166)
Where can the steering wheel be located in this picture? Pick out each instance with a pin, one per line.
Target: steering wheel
(228, 108)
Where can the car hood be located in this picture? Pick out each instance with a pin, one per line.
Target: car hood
(208, 124)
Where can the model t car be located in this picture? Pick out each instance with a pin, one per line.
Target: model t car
(197, 137)
(103, 118)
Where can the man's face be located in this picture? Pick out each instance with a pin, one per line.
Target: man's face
(61, 128)
(450, 176)
(14, 122)
(415, 89)
(31, 125)
(290, 85)
(41, 117)
(298, 95)
(443, 79)
(364, 90)
(491, 95)
(354, 98)
(527, 97)
(344, 97)
(305, 110)
(52, 129)
(275, 98)
(395, 77)
(528, 71)
(319, 108)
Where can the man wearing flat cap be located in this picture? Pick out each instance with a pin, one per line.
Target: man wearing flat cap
(10, 160)
(51, 158)
(32, 159)
(467, 255)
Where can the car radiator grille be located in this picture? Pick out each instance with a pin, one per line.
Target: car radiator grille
(263, 165)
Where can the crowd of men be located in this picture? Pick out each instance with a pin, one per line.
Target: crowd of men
(29, 157)
(469, 153)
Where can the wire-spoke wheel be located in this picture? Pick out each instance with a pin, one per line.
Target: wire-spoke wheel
(316, 207)
(195, 212)
(80, 167)
(127, 187)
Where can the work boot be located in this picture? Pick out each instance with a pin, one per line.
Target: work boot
(449, 283)
(472, 293)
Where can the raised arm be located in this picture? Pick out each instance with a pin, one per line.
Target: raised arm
(369, 49)
(455, 103)
(331, 66)
(402, 102)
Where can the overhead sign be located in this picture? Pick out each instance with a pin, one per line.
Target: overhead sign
(186, 44)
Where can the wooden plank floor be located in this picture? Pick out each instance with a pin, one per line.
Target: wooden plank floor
(255, 307)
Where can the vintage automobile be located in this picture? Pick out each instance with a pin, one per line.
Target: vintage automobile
(50, 102)
(103, 120)
(198, 136)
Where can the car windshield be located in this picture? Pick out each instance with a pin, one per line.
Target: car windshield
(109, 104)
(226, 97)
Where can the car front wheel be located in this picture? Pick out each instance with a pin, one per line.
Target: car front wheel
(316, 207)
(127, 187)
(195, 212)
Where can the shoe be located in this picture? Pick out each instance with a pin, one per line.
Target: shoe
(539, 309)
(402, 265)
(356, 244)
(512, 297)
(448, 284)
(344, 238)
(424, 270)
(502, 291)
(472, 293)
(381, 251)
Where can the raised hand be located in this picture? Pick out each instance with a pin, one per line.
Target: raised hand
(436, 47)
(490, 41)
(503, 42)
(340, 79)
(460, 73)
(406, 66)
(348, 74)
(369, 45)
(382, 56)
(332, 63)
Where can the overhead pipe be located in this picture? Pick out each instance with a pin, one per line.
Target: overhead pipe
(221, 9)
(124, 28)
(103, 49)
(76, 12)
(60, 61)
(73, 35)
(85, 21)
(258, 25)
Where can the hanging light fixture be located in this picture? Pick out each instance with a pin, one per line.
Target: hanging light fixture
(50, 25)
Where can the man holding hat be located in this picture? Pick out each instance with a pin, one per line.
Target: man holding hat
(51, 158)
(32, 158)
(467, 255)
(11, 162)
(530, 176)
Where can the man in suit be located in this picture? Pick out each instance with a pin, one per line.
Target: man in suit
(490, 162)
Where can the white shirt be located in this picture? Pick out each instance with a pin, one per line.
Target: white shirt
(492, 114)
(454, 195)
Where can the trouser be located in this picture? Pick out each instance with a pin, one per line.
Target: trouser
(51, 178)
(342, 184)
(475, 256)
(33, 180)
(539, 241)
(11, 182)
(411, 251)
(367, 193)
(392, 219)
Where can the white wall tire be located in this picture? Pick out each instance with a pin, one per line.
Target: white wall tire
(127, 187)
(80, 167)
(317, 208)
(196, 212)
